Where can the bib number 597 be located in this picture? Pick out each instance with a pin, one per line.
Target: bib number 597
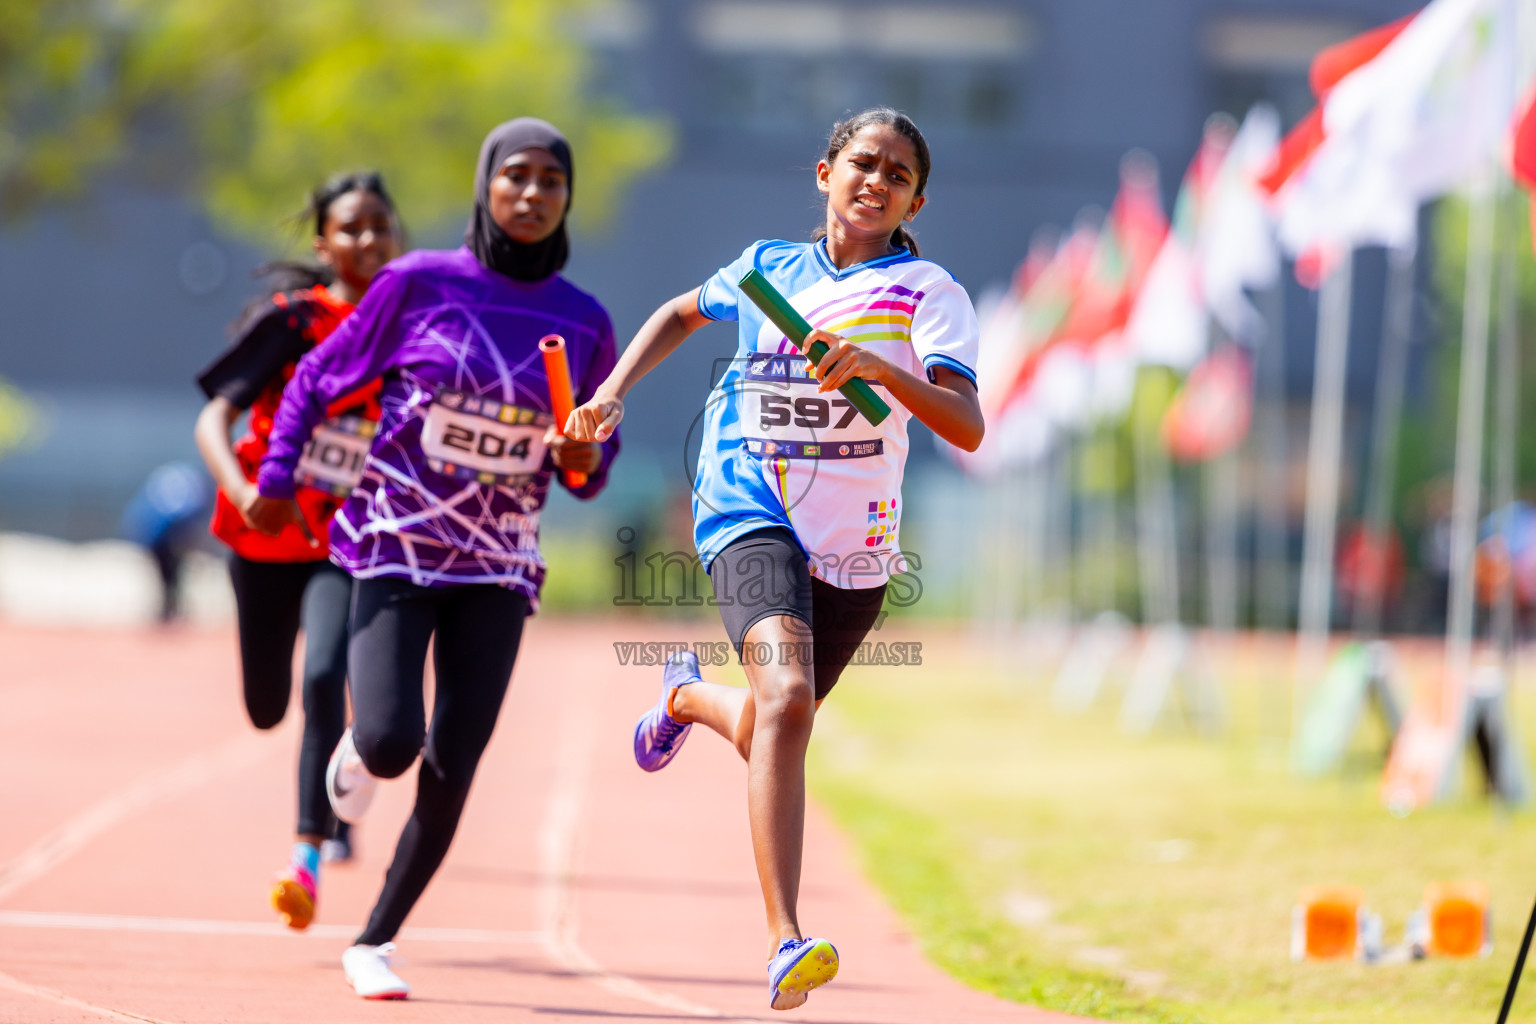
(810, 412)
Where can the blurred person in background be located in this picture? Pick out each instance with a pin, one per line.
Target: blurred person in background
(796, 496)
(160, 518)
(283, 580)
(1370, 574)
(442, 534)
(1507, 561)
(1430, 514)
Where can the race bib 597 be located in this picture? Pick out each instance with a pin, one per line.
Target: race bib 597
(784, 416)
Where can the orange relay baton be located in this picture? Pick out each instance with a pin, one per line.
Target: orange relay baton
(558, 372)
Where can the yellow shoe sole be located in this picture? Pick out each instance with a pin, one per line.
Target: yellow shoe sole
(817, 966)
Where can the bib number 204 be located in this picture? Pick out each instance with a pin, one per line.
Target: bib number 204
(816, 413)
(486, 443)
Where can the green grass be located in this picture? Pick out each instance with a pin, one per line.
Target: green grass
(1174, 860)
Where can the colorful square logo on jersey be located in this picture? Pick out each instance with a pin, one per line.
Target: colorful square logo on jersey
(882, 523)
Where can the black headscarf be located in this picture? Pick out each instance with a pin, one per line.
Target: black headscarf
(490, 244)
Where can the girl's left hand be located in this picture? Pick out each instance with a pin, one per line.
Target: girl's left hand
(271, 515)
(844, 361)
(576, 456)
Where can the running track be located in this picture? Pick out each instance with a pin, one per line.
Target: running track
(141, 816)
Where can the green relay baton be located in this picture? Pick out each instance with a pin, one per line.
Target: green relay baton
(788, 319)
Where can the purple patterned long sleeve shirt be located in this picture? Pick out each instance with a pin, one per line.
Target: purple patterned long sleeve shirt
(455, 478)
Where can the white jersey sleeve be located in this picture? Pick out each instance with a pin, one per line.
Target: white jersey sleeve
(720, 295)
(945, 331)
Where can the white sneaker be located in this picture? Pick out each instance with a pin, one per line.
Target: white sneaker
(369, 971)
(347, 781)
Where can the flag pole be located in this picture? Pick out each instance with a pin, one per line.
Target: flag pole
(1323, 451)
(1272, 568)
(1273, 526)
(1036, 505)
(1506, 427)
(1156, 525)
(1525, 35)
(1391, 374)
(1148, 536)
(1003, 557)
(1108, 517)
(1470, 410)
(1221, 500)
(1060, 543)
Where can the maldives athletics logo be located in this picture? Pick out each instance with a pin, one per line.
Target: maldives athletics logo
(882, 524)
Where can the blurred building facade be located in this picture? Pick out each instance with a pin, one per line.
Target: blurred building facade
(108, 308)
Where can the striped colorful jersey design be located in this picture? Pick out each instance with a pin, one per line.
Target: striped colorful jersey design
(777, 452)
(879, 314)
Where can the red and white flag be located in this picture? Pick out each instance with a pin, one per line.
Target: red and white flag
(1426, 115)
(1167, 322)
(1210, 414)
(1236, 246)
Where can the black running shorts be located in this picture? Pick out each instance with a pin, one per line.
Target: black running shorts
(766, 573)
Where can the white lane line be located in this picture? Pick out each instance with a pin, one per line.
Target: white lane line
(54, 996)
(557, 847)
(262, 929)
(68, 839)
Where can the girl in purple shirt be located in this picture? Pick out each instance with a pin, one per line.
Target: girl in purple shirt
(441, 534)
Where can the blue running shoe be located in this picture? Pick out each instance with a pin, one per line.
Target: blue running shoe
(659, 736)
(799, 966)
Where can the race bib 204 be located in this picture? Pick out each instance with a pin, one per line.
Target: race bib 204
(333, 459)
(482, 439)
(783, 415)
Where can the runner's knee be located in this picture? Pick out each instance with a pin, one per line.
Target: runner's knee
(387, 754)
(785, 699)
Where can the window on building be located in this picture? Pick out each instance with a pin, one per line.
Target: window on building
(1252, 58)
(617, 33)
(783, 64)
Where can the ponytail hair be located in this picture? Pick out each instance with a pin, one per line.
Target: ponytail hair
(843, 133)
(298, 275)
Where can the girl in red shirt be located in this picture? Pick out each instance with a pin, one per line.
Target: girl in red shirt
(285, 582)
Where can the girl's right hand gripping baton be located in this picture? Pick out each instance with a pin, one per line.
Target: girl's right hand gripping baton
(558, 372)
(788, 319)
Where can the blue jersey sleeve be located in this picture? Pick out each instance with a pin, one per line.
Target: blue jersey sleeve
(720, 296)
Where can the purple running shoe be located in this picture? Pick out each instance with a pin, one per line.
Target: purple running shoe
(659, 736)
(799, 966)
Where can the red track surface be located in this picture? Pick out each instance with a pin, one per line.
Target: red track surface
(141, 817)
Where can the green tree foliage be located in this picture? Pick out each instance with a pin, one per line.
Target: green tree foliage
(59, 117)
(249, 105)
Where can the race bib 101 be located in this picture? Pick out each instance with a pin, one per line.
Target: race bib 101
(482, 439)
(333, 459)
(783, 416)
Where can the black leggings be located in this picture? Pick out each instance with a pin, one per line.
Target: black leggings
(478, 628)
(273, 600)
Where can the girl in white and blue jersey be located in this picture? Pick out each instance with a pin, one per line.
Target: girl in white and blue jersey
(797, 500)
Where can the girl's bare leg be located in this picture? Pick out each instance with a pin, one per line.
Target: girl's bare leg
(728, 710)
(782, 712)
